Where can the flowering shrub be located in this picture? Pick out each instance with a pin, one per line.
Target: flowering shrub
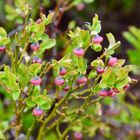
(47, 90)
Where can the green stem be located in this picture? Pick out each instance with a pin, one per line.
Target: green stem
(57, 129)
(79, 93)
(65, 132)
(30, 130)
(23, 52)
(53, 124)
(18, 121)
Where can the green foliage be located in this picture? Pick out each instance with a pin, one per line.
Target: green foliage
(95, 28)
(112, 44)
(3, 127)
(80, 37)
(14, 13)
(9, 79)
(75, 2)
(50, 103)
(116, 77)
(4, 40)
(133, 37)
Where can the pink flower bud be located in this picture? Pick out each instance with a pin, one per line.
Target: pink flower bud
(2, 48)
(100, 70)
(78, 51)
(78, 135)
(80, 6)
(100, 112)
(62, 71)
(34, 46)
(36, 81)
(137, 133)
(36, 60)
(37, 112)
(59, 81)
(38, 21)
(115, 90)
(110, 93)
(103, 92)
(66, 88)
(126, 87)
(82, 79)
(112, 61)
(97, 39)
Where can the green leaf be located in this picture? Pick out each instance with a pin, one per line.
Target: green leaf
(43, 101)
(45, 106)
(38, 28)
(130, 38)
(34, 68)
(4, 125)
(77, 128)
(65, 61)
(106, 74)
(129, 68)
(29, 102)
(92, 74)
(112, 44)
(111, 49)
(2, 137)
(96, 47)
(87, 122)
(10, 12)
(111, 39)
(108, 78)
(22, 6)
(24, 75)
(133, 37)
(97, 88)
(103, 84)
(10, 80)
(36, 91)
(4, 41)
(80, 37)
(49, 18)
(28, 120)
(71, 25)
(46, 44)
(44, 37)
(121, 84)
(97, 62)
(134, 57)
(121, 62)
(15, 95)
(81, 63)
(2, 32)
(135, 31)
(3, 37)
(95, 28)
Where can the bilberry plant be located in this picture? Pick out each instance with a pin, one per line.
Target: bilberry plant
(45, 89)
